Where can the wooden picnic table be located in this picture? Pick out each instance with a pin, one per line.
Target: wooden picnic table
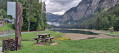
(44, 38)
(44, 35)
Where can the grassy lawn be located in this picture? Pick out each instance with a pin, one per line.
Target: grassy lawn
(0, 44)
(73, 46)
(113, 34)
(67, 46)
(6, 27)
(30, 36)
(100, 30)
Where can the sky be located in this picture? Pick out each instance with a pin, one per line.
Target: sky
(60, 6)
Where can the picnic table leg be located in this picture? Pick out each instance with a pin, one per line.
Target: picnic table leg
(37, 41)
(49, 35)
(50, 40)
(46, 40)
(43, 41)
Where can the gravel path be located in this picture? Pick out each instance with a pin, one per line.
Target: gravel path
(11, 34)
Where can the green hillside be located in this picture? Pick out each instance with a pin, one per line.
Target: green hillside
(104, 19)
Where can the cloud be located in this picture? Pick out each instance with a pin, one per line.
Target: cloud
(60, 6)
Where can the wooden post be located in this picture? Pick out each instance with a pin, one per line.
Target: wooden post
(18, 25)
(15, 44)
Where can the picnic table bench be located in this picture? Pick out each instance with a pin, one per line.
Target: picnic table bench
(44, 38)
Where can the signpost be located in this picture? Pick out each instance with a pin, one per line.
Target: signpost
(15, 10)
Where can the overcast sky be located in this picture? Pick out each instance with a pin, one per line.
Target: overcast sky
(60, 6)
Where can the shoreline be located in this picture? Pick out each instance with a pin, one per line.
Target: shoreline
(91, 30)
(77, 36)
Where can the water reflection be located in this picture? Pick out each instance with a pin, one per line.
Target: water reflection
(74, 31)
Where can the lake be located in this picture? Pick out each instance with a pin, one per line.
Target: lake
(74, 31)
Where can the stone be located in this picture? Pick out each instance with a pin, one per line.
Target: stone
(86, 8)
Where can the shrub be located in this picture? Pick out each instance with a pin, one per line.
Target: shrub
(111, 29)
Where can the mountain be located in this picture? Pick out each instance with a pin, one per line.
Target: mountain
(103, 20)
(87, 8)
(52, 17)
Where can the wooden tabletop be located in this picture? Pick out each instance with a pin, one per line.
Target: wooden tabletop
(43, 34)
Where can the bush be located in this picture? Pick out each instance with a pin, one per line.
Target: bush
(111, 29)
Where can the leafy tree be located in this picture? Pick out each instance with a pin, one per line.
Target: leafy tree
(32, 15)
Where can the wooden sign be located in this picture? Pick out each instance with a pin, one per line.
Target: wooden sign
(15, 10)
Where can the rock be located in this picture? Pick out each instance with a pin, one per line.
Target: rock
(52, 17)
(86, 8)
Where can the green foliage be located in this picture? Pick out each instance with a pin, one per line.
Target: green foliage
(39, 28)
(116, 24)
(3, 7)
(32, 15)
(2, 14)
(113, 34)
(111, 29)
(33, 18)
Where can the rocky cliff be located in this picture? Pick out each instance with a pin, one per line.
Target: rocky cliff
(86, 8)
(52, 17)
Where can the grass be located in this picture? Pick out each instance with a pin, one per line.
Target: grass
(0, 44)
(30, 36)
(113, 34)
(73, 46)
(100, 30)
(67, 46)
(6, 27)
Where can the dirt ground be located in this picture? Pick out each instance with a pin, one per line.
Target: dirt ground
(77, 36)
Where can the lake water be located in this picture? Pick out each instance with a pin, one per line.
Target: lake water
(74, 31)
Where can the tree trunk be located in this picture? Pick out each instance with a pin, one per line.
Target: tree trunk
(18, 26)
(29, 24)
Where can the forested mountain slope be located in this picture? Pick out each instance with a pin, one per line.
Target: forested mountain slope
(86, 8)
(103, 20)
(52, 17)
(92, 14)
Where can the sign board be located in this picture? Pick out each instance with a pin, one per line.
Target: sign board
(11, 9)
